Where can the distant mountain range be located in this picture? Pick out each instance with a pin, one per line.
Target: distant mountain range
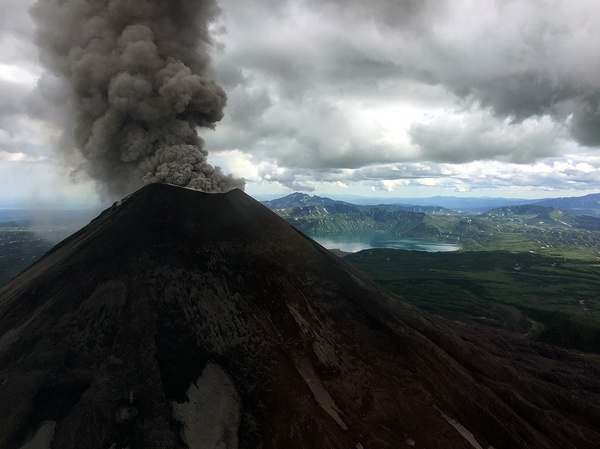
(535, 214)
(587, 205)
(302, 200)
(468, 204)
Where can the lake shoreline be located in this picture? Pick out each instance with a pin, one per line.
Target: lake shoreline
(343, 243)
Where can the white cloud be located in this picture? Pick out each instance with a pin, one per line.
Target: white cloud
(18, 75)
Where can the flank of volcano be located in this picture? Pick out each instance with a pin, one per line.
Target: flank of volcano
(180, 319)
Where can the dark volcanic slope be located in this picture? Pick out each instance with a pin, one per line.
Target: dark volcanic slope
(178, 319)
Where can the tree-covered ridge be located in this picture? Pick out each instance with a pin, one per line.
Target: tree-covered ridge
(533, 228)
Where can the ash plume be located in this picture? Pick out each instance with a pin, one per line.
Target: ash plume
(136, 72)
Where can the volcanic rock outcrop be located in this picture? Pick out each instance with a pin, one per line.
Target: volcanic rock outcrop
(180, 319)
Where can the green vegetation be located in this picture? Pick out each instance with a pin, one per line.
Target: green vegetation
(535, 229)
(551, 299)
(530, 269)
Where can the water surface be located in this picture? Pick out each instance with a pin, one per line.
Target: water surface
(353, 241)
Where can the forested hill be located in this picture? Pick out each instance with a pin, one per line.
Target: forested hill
(306, 202)
(584, 205)
(321, 219)
(532, 228)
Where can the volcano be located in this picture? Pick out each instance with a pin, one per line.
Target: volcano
(180, 319)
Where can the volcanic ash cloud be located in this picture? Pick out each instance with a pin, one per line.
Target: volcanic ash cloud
(137, 81)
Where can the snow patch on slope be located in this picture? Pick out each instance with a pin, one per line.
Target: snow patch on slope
(467, 435)
(211, 417)
(320, 393)
(43, 437)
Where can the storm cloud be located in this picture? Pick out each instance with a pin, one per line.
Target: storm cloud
(515, 62)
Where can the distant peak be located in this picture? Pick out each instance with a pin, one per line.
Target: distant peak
(299, 195)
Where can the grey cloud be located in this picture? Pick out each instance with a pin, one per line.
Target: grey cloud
(530, 69)
(12, 97)
(585, 123)
(16, 33)
(298, 180)
(481, 137)
(407, 15)
(248, 106)
(521, 60)
(520, 95)
(307, 134)
(13, 119)
(14, 18)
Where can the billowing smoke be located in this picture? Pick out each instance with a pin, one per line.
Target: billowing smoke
(138, 88)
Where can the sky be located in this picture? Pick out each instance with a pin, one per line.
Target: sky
(410, 98)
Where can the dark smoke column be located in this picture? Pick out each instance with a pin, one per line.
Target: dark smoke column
(136, 70)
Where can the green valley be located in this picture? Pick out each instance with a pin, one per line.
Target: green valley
(551, 299)
(530, 228)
